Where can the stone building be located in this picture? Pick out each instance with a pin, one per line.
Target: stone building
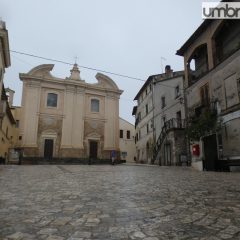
(68, 118)
(212, 79)
(8, 130)
(143, 113)
(127, 141)
(169, 118)
(7, 122)
(4, 56)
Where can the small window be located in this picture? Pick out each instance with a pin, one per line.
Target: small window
(204, 95)
(128, 134)
(146, 109)
(17, 123)
(121, 133)
(147, 128)
(20, 138)
(146, 91)
(95, 105)
(52, 100)
(163, 102)
(139, 116)
(177, 91)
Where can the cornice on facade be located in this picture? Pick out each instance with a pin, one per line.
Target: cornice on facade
(42, 73)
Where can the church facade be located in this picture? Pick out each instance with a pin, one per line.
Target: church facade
(68, 118)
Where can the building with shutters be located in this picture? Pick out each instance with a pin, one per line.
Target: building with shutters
(212, 83)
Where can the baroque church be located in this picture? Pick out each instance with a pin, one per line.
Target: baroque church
(68, 118)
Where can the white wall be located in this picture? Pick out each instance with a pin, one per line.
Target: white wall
(167, 88)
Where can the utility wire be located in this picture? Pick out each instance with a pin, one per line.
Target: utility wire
(86, 67)
(81, 66)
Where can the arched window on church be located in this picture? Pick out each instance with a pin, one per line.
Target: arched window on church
(95, 105)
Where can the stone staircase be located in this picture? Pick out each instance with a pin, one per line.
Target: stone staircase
(170, 125)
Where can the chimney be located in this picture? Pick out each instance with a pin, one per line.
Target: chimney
(10, 94)
(168, 70)
(2, 24)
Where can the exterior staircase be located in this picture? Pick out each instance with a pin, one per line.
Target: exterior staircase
(169, 125)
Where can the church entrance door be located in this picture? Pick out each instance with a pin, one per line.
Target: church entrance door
(93, 149)
(48, 149)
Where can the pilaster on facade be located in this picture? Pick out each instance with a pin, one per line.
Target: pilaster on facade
(71, 113)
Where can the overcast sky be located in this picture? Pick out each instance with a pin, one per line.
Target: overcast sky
(122, 36)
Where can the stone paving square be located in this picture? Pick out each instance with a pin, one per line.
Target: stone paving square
(117, 202)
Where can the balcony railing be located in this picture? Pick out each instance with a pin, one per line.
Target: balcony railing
(171, 124)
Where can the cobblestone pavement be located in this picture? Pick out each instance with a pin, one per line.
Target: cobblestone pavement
(118, 202)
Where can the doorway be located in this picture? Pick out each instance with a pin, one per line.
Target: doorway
(167, 155)
(48, 149)
(210, 153)
(179, 119)
(93, 149)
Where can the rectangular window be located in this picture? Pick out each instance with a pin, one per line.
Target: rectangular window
(147, 128)
(52, 99)
(94, 105)
(163, 102)
(121, 133)
(204, 94)
(139, 116)
(17, 123)
(128, 134)
(177, 91)
(146, 109)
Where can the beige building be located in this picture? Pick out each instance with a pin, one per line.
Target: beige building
(68, 118)
(127, 141)
(7, 122)
(8, 129)
(212, 82)
(4, 56)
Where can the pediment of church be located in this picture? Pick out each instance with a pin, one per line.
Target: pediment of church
(42, 70)
(106, 82)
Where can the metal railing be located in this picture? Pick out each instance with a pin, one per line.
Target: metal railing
(171, 124)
